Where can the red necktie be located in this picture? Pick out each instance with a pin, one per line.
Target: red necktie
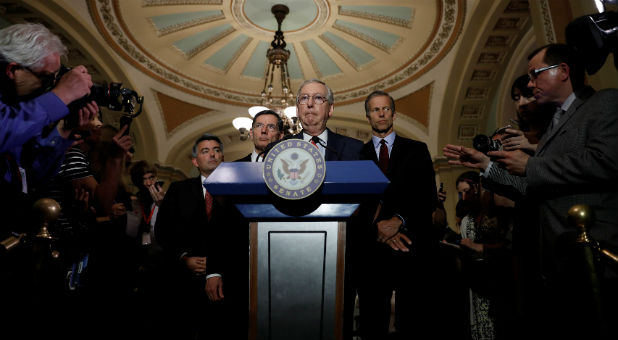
(208, 199)
(313, 142)
(383, 160)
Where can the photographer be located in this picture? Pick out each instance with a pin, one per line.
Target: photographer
(575, 163)
(30, 59)
(32, 146)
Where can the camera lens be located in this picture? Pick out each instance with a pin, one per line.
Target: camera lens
(481, 143)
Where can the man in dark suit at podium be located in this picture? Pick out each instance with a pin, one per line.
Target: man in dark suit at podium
(399, 242)
(314, 106)
(267, 127)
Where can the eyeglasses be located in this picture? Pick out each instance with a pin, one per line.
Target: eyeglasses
(47, 79)
(317, 99)
(385, 109)
(532, 75)
(270, 127)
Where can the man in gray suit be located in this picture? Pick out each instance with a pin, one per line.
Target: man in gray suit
(576, 162)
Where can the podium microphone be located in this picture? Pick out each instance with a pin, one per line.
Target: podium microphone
(271, 145)
(317, 140)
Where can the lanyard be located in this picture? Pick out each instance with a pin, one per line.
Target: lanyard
(147, 219)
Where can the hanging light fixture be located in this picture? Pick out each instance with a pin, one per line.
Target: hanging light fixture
(277, 94)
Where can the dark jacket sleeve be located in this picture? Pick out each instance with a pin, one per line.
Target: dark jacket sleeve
(412, 191)
(181, 222)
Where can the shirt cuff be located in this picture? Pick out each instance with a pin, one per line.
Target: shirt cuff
(485, 172)
(403, 221)
(212, 275)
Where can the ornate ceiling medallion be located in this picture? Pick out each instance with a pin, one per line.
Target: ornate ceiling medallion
(244, 13)
(215, 50)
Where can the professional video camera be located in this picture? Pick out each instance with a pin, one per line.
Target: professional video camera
(112, 96)
(485, 143)
(594, 36)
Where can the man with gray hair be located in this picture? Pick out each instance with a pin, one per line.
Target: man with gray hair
(30, 151)
(314, 105)
(30, 60)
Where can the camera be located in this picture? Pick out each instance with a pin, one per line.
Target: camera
(112, 96)
(485, 143)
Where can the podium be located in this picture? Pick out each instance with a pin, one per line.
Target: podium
(297, 247)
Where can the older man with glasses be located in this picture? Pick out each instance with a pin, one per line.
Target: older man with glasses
(33, 141)
(315, 105)
(30, 59)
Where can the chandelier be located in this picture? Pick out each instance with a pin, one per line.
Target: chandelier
(277, 94)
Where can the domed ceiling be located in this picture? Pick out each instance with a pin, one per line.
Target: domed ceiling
(449, 64)
(217, 49)
(201, 63)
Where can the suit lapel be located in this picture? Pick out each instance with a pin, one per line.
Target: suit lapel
(395, 152)
(369, 151)
(548, 137)
(332, 142)
(197, 188)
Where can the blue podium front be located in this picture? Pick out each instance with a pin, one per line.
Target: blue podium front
(297, 247)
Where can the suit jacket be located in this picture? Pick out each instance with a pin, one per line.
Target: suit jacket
(183, 227)
(182, 223)
(411, 193)
(577, 163)
(247, 158)
(340, 147)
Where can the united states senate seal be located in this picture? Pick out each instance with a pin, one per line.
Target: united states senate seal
(294, 169)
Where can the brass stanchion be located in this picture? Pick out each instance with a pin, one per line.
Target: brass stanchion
(582, 218)
(48, 211)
